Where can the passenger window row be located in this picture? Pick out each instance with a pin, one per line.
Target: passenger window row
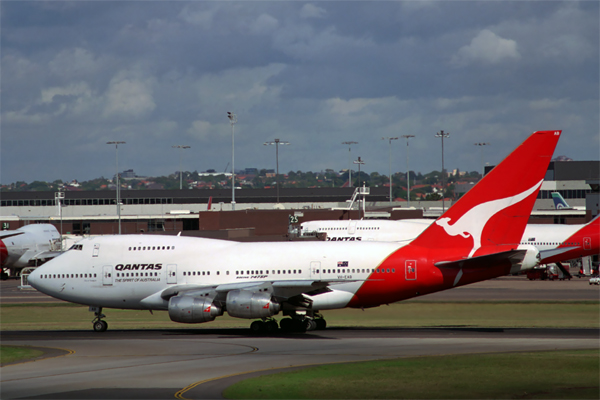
(143, 248)
(142, 274)
(58, 276)
(273, 272)
(199, 273)
(358, 271)
(552, 243)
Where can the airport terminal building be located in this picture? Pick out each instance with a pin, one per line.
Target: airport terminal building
(257, 211)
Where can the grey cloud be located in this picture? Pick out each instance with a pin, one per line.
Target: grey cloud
(76, 74)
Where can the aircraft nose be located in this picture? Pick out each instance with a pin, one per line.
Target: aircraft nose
(34, 278)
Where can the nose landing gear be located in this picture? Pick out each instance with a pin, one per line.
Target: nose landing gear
(98, 323)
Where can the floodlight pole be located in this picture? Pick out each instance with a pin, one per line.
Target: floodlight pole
(390, 140)
(117, 143)
(232, 120)
(482, 165)
(277, 143)
(59, 197)
(359, 162)
(443, 135)
(350, 143)
(180, 156)
(407, 137)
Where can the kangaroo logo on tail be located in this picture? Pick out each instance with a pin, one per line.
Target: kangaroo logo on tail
(473, 221)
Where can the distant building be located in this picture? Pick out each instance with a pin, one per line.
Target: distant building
(129, 174)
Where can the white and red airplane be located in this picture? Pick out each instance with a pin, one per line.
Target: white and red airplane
(556, 243)
(29, 245)
(197, 279)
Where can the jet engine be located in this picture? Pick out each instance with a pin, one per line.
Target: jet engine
(191, 310)
(249, 304)
(531, 260)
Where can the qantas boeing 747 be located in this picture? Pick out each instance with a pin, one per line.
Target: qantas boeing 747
(197, 280)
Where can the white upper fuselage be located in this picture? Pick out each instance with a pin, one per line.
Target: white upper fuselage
(542, 236)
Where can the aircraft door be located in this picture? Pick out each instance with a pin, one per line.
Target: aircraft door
(315, 269)
(411, 270)
(352, 228)
(172, 273)
(107, 278)
(587, 243)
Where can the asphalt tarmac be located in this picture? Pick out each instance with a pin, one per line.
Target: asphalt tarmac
(200, 364)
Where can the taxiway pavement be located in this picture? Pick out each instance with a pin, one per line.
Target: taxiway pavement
(167, 364)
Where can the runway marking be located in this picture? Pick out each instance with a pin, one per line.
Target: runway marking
(180, 393)
(69, 352)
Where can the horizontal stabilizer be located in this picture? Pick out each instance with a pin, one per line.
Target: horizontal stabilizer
(488, 260)
(10, 234)
(545, 254)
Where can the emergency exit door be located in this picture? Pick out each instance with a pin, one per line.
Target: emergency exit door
(172, 273)
(411, 270)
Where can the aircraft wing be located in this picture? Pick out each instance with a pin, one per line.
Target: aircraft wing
(8, 234)
(44, 255)
(282, 290)
(514, 256)
(545, 254)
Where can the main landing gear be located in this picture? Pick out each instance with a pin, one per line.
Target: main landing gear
(98, 323)
(296, 323)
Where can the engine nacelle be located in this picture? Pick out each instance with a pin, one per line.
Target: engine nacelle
(249, 304)
(531, 260)
(192, 310)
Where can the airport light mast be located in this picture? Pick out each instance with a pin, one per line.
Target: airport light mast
(443, 135)
(482, 165)
(390, 140)
(359, 162)
(232, 120)
(350, 143)
(277, 143)
(117, 143)
(180, 156)
(407, 137)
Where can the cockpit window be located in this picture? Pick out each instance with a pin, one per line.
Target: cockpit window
(76, 247)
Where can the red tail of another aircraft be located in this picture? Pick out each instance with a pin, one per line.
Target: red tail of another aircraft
(476, 239)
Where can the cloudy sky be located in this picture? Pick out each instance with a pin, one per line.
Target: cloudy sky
(75, 75)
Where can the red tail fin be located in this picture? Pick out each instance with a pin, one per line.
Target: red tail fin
(209, 203)
(496, 210)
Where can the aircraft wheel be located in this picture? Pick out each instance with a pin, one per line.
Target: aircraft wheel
(100, 326)
(286, 324)
(257, 326)
(271, 326)
(321, 324)
(301, 325)
(310, 324)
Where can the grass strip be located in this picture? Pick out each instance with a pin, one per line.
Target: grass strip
(403, 314)
(534, 375)
(10, 354)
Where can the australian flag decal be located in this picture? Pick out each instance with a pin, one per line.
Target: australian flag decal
(342, 264)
